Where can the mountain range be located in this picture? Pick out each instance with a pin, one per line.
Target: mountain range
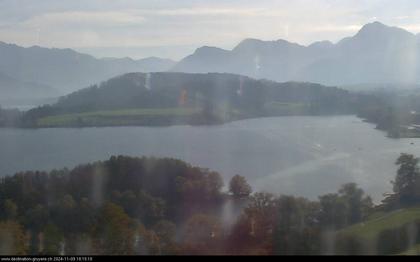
(375, 54)
(44, 72)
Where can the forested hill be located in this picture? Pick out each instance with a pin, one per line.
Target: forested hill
(149, 206)
(167, 98)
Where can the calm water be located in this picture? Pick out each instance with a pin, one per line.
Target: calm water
(304, 156)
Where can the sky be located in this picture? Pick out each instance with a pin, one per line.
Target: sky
(175, 28)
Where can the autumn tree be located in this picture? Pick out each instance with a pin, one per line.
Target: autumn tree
(166, 232)
(296, 230)
(53, 240)
(114, 232)
(407, 181)
(252, 233)
(10, 209)
(13, 240)
(203, 235)
(358, 205)
(239, 187)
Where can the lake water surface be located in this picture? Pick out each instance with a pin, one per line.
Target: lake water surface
(305, 156)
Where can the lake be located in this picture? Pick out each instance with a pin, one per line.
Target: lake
(305, 156)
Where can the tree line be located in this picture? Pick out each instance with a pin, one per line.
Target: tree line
(150, 206)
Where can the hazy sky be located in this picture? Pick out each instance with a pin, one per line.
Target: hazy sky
(174, 28)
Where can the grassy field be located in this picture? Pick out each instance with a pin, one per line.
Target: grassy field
(137, 116)
(370, 229)
(384, 233)
(413, 251)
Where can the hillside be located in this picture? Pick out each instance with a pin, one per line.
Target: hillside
(412, 251)
(371, 228)
(376, 54)
(384, 233)
(180, 98)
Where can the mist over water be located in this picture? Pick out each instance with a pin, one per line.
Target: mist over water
(305, 156)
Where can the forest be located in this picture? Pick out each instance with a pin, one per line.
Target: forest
(212, 98)
(394, 111)
(151, 206)
(164, 99)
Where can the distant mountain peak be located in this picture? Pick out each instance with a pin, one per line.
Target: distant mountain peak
(156, 59)
(376, 29)
(373, 27)
(209, 50)
(321, 44)
(255, 44)
(375, 24)
(250, 41)
(206, 47)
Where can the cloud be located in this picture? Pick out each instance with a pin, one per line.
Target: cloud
(85, 19)
(337, 28)
(411, 27)
(212, 11)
